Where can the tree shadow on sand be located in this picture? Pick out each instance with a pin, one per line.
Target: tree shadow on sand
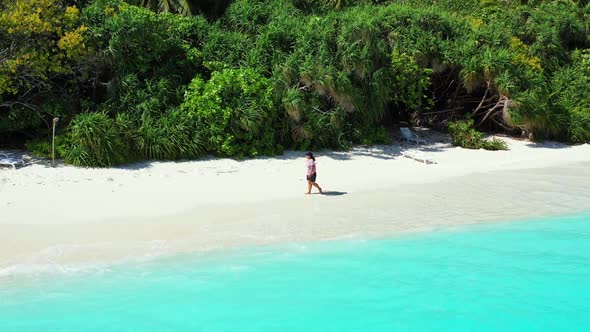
(549, 145)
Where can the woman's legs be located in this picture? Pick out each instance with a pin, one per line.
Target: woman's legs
(315, 185)
(311, 182)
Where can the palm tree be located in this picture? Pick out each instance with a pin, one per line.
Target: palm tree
(211, 8)
(182, 7)
(336, 4)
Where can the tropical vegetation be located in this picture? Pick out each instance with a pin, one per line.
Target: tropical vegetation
(177, 79)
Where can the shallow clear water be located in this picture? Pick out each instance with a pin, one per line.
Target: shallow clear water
(523, 276)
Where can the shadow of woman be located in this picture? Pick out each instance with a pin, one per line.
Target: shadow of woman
(334, 193)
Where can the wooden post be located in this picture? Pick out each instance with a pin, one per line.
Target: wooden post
(53, 142)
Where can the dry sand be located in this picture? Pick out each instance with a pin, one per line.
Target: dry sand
(67, 218)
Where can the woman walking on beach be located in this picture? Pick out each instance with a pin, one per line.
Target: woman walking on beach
(311, 173)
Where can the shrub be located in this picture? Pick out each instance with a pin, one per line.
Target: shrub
(495, 144)
(570, 96)
(169, 137)
(235, 113)
(465, 136)
(94, 140)
(42, 147)
(150, 96)
(579, 125)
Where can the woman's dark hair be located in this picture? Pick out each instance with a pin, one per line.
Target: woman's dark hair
(310, 155)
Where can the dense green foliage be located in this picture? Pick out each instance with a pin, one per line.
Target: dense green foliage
(235, 111)
(178, 79)
(465, 136)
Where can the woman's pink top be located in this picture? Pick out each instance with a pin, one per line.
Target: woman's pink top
(310, 166)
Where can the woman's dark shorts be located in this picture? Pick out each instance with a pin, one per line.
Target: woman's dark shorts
(312, 177)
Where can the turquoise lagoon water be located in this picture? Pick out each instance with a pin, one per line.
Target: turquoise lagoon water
(523, 276)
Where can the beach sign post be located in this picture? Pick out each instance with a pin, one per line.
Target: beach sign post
(55, 120)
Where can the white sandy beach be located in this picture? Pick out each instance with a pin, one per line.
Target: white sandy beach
(65, 217)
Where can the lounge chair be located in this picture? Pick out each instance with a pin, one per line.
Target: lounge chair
(409, 136)
(11, 162)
